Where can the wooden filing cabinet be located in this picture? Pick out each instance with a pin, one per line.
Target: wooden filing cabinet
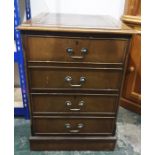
(75, 68)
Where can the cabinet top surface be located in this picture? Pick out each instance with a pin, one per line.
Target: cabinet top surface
(76, 23)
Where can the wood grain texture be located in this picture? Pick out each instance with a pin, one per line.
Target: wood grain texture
(73, 94)
(132, 84)
(132, 8)
(55, 49)
(76, 23)
(133, 77)
(72, 143)
(108, 78)
(57, 125)
(131, 96)
(70, 104)
(133, 21)
(102, 50)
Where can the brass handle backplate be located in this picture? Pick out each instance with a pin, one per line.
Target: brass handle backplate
(69, 104)
(78, 127)
(69, 80)
(70, 52)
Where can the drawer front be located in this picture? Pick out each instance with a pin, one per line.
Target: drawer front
(73, 49)
(62, 77)
(74, 104)
(73, 125)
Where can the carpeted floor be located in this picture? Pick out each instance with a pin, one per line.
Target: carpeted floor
(128, 143)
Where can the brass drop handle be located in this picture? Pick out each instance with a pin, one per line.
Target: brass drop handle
(70, 52)
(69, 103)
(69, 126)
(74, 131)
(75, 109)
(69, 80)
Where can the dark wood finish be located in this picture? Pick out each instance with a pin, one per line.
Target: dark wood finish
(56, 125)
(131, 97)
(72, 143)
(54, 77)
(75, 76)
(73, 104)
(103, 51)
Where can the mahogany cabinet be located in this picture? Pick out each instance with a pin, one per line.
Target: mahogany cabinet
(75, 69)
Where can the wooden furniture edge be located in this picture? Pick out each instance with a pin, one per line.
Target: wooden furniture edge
(69, 143)
(133, 107)
(131, 19)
